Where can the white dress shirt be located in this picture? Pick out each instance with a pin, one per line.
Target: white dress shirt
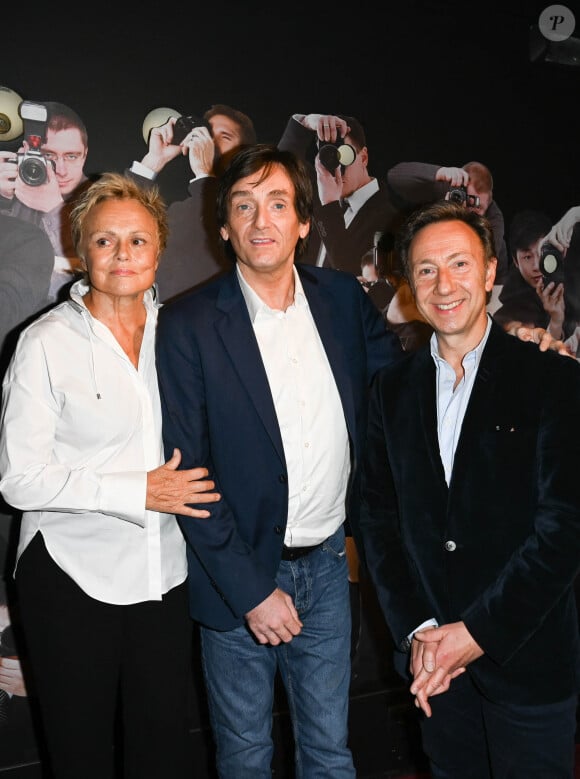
(81, 428)
(310, 415)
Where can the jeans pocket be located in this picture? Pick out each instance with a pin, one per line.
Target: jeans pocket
(336, 544)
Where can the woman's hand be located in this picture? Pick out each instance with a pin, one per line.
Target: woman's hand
(170, 491)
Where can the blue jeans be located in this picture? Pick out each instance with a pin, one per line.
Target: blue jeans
(314, 667)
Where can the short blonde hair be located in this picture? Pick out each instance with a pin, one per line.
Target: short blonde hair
(115, 186)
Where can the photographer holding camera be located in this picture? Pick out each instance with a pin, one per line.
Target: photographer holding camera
(350, 205)
(40, 183)
(194, 253)
(542, 285)
(420, 183)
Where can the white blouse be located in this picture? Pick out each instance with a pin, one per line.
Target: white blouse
(80, 429)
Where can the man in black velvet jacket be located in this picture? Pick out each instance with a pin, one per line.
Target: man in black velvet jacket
(471, 518)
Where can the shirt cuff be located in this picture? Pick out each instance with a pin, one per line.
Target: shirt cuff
(123, 495)
(406, 642)
(142, 170)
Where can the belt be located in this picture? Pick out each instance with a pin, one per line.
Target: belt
(294, 552)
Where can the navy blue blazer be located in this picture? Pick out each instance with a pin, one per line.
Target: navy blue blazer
(500, 547)
(218, 409)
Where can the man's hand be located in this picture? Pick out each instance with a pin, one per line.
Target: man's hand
(200, 148)
(161, 147)
(456, 177)
(275, 619)
(540, 336)
(170, 490)
(329, 185)
(327, 126)
(11, 679)
(561, 233)
(552, 297)
(448, 650)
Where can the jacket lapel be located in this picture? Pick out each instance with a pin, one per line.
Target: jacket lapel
(323, 309)
(424, 383)
(481, 404)
(235, 329)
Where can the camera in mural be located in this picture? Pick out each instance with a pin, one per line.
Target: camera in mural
(32, 164)
(332, 155)
(184, 125)
(460, 196)
(551, 264)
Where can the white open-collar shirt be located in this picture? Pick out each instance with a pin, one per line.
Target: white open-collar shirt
(309, 412)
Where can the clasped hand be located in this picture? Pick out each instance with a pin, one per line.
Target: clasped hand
(439, 655)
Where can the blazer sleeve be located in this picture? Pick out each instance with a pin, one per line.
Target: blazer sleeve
(544, 565)
(400, 594)
(230, 563)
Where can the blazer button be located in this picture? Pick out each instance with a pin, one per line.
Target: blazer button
(282, 478)
(450, 546)
(278, 530)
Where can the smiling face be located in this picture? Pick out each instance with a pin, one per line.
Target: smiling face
(450, 280)
(263, 226)
(120, 248)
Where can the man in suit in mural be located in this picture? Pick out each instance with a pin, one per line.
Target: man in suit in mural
(194, 253)
(353, 210)
(471, 518)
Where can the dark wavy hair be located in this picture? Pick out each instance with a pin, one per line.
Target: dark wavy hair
(263, 158)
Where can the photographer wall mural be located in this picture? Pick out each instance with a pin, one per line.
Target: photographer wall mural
(359, 205)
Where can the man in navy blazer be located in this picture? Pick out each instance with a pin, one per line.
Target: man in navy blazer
(264, 377)
(471, 518)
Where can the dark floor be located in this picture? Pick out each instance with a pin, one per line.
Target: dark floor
(383, 740)
(384, 736)
(383, 733)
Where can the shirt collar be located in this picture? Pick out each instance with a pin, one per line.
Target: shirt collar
(254, 302)
(473, 355)
(81, 286)
(360, 196)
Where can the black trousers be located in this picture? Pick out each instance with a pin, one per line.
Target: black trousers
(469, 737)
(87, 657)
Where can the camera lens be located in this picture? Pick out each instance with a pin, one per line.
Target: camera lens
(329, 157)
(551, 264)
(346, 154)
(457, 195)
(32, 171)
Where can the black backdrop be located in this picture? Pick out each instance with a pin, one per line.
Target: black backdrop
(438, 81)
